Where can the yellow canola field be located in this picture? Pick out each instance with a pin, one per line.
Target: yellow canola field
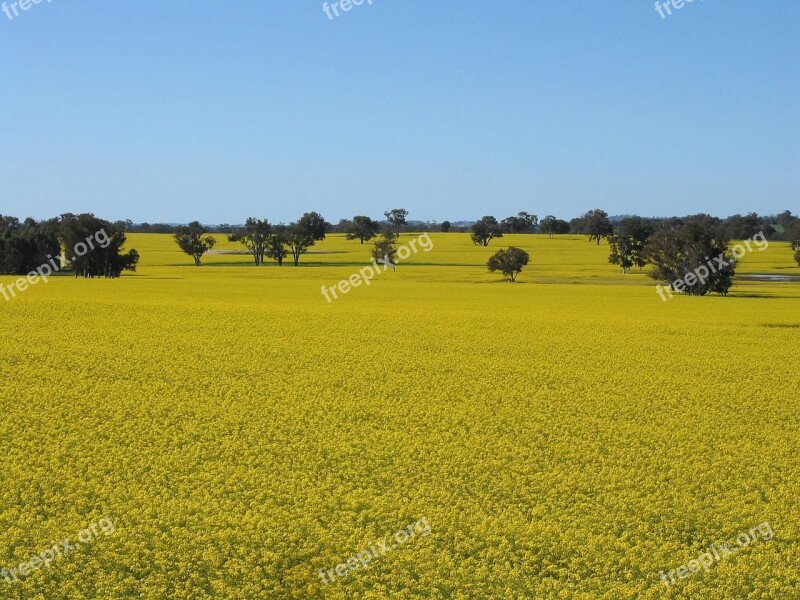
(569, 436)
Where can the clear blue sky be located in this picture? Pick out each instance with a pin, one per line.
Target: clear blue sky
(171, 111)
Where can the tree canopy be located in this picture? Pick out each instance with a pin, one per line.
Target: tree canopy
(510, 262)
(192, 239)
(485, 230)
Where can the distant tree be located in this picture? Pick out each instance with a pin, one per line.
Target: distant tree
(343, 226)
(162, 228)
(548, 225)
(95, 247)
(313, 225)
(445, 227)
(191, 240)
(384, 251)
(698, 246)
(527, 222)
(509, 262)
(577, 225)
(124, 226)
(522, 223)
(769, 231)
(254, 236)
(597, 225)
(628, 245)
(277, 244)
(785, 219)
(562, 227)
(388, 232)
(740, 227)
(792, 234)
(397, 218)
(486, 229)
(299, 239)
(362, 228)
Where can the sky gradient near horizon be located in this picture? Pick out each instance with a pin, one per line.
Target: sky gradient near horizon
(171, 112)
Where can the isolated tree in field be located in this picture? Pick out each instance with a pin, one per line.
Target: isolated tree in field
(698, 246)
(94, 247)
(362, 228)
(628, 245)
(597, 225)
(254, 236)
(522, 223)
(384, 251)
(397, 218)
(314, 225)
(445, 227)
(509, 262)
(277, 244)
(193, 240)
(485, 230)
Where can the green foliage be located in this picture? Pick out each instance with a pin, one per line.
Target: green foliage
(522, 223)
(510, 262)
(485, 230)
(313, 225)
(793, 234)
(277, 243)
(362, 228)
(628, 245)
(26, 246)
(384, 250)
(596, 225)
(255, 236)
(101, 244)
(678, 252)
(193, 241)
(397, 218)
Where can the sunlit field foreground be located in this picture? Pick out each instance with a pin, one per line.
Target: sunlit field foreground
(567, 436)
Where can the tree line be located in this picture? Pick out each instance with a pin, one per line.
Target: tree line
(262, 239)
(596, 221)
(671, 245)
